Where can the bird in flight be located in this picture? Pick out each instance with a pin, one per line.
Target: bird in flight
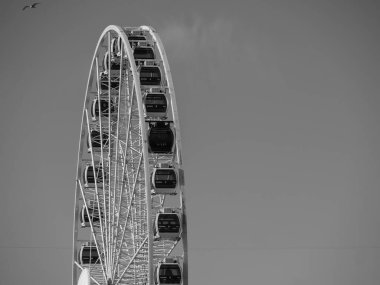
(30, 6)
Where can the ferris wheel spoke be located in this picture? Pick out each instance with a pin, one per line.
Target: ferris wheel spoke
(115, 227)
(110, 204)
(106, 225)
(117, 185)
(119, 207)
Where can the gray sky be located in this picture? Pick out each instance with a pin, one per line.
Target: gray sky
(278, 104)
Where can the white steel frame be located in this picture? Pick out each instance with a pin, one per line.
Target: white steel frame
(127, 210)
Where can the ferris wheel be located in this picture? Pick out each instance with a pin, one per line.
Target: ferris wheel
(130, 215)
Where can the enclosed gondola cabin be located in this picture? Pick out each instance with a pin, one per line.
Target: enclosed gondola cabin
(155, 105)
(115, 64)
(150, 75)
(97, 140)
(93, 216)
(164, 180)
(88, 254)
(90, 177)
(143, 53)
(168, 272)
(134, 39)
(104, 108)
(167, 226)
(160, 137)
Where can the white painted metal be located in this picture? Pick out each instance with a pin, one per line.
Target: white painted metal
(126, 209)
(84, 278)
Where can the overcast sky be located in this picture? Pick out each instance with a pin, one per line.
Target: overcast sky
(278, 104)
